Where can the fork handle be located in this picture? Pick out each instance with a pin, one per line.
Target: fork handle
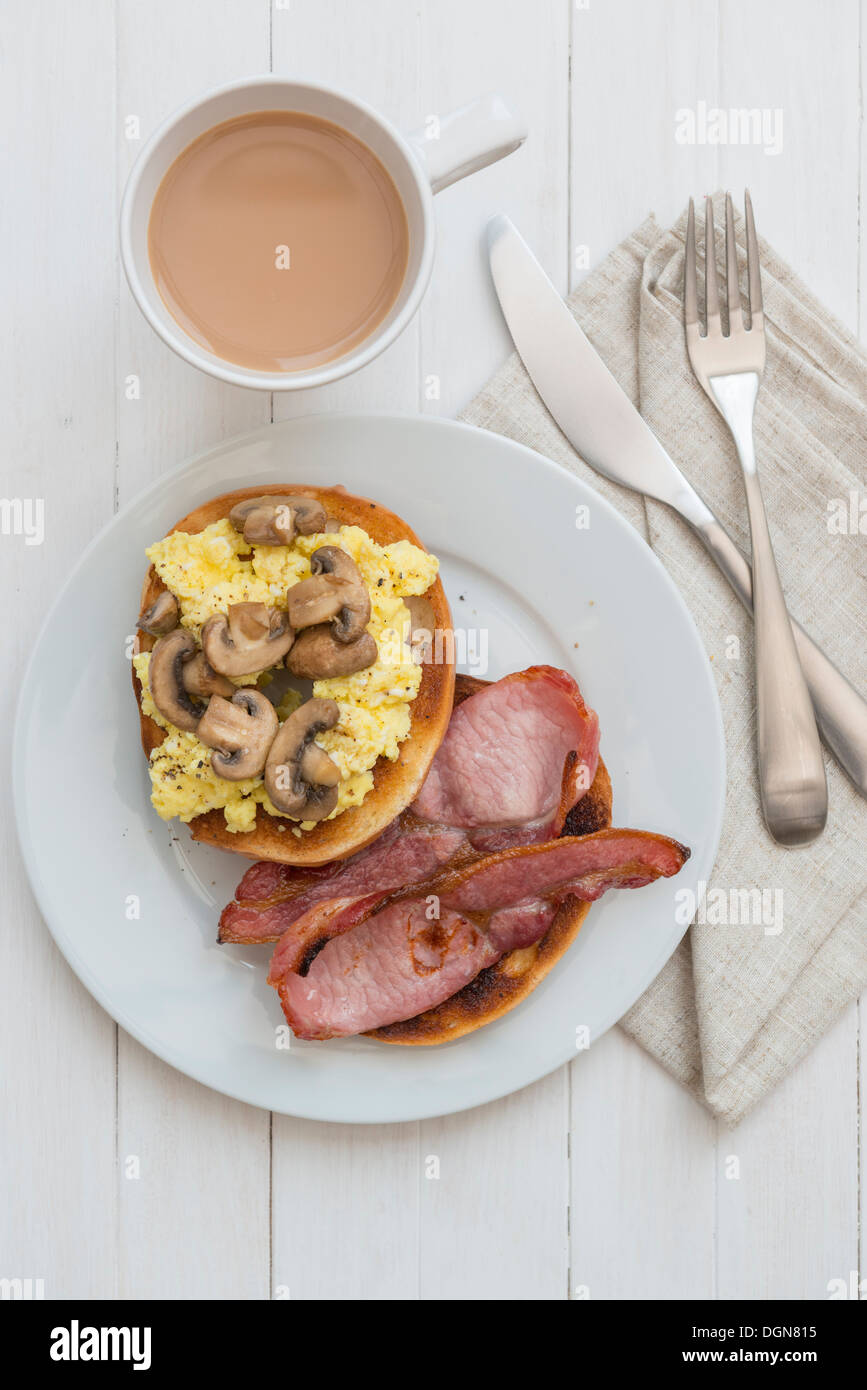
(791, 770)
(841, 713)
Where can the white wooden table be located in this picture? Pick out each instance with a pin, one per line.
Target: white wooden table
(605, 1177)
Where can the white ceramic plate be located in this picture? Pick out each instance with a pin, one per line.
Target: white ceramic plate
(595, 601)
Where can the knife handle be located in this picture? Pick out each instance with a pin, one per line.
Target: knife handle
(841, 713)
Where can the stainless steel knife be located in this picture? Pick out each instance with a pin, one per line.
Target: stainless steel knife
(604, 427)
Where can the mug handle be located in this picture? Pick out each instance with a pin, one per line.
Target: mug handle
(468, 139)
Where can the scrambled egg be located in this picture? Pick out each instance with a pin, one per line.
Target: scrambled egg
(216, 567)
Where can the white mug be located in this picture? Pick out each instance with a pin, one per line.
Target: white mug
(420, 165)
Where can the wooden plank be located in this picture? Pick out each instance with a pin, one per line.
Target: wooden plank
(167, 54)
(788, 1217)
(790, 1223)
(861, 297)
(345, 1198)
(785, 57)
(193, 1180)
(493, 1225)
(642, 1180)
(641, 1205)
(522, 52)
(862, 1005)
(370, 53)
(494, 1197)
(188, 1226)
(860, 1143)
(57, 258)
(634, 65)
(344, 1211)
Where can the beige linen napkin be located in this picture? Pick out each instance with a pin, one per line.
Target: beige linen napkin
(736, 1006)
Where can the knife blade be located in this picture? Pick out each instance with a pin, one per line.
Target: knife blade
(603, 426)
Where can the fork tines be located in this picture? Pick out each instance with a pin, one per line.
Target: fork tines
(712, 317)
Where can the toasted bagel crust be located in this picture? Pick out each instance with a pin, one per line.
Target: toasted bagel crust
(501, 986)
(394, 784)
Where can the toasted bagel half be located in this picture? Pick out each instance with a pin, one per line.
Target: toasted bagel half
(394, 783)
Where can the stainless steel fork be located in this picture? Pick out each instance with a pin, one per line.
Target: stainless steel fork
(729, 367)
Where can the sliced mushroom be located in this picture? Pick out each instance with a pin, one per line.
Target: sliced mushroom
(332, 524)
(160, 616)
(271, 525)
(316, 766)
(335, 592)
(200, 678)
(317, 600)
(422, 628)
(300, 778)
(240, 731)
(251, 638)
(248, 622)
(316, 654)
(275, 520)
(166, 679)
(309, 515)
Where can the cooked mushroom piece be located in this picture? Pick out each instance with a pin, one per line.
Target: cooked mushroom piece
(250, 638)
(271, 525)
(316, 766)
(240, 731)
(248, 622)
(161, 616)
(300, 778)
(422, 628)
(316, 654)
(309, 515)
(275, 520)
(335, 592)
(166, 679)
(200, 678)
